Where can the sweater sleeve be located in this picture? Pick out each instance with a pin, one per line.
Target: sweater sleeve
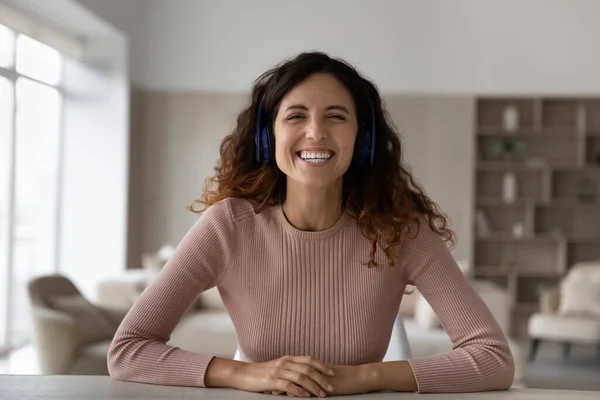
(480, 359)
(139, 350)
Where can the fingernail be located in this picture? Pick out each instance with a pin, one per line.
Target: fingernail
(331, 372)
(306, 394)
(330, 388)
(322, 394)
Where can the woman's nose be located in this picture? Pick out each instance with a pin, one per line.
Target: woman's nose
(316, 129)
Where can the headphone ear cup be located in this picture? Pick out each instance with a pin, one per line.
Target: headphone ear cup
(264, 145)
(367, 156)
(358, 147)
(271, 144)
(267, 145)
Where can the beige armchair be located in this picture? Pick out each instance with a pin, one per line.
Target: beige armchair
(569, 313)
(70, 334)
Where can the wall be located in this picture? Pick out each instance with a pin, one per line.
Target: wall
(437, 134)
(406, 46)
(121, 14)
(183, 133)
(428, 57)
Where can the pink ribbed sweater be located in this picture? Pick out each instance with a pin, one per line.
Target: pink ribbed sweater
(293, 292)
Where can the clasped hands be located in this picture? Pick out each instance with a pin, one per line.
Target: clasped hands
(301, 376)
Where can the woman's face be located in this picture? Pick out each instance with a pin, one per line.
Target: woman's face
(315, 130)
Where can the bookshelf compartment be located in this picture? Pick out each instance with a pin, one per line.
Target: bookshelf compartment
(559, 113)
(490, 254)
(503, 218)
(491, 112)
(586, 224)
(557, 150)
(553, 221)
(581, 186)
(582, 252)
(529, 290)
(542, 257)
(592, 107)
(530, 184)
(533, 257)
(489, 184)
(593, 150)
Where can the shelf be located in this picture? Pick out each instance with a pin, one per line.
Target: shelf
(526, 308)
(506, 237)
(583, 239)
(498, 202)
(545, 133)
(491, 272)
(564, 203)
(500, 166)
(556, 166)
(543, 237)
(495, 272)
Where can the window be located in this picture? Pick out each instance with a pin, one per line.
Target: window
(7, 47)
(30, 131)
(6, 118)
(37, 60)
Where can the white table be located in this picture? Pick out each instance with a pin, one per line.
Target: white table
(32, 387)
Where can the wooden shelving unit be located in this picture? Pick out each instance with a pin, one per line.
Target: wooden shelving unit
(529, 240)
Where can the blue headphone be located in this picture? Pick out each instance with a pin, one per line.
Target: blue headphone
(264, 142)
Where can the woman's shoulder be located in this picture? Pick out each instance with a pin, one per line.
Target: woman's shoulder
(235, 208)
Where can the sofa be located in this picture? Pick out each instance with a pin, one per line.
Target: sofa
(569, 313)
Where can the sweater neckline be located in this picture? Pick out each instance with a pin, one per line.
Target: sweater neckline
(311, 235)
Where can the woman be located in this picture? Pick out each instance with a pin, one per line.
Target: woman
(312, 233)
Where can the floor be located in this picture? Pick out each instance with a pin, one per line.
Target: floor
(581, 371)
(549, 371)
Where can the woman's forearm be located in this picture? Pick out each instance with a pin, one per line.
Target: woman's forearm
(395, 376)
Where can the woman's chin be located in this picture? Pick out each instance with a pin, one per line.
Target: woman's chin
(314, 182)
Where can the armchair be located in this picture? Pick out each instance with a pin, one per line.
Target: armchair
(569, 313)
(70, 334)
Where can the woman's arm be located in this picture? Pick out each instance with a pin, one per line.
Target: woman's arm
(481, 359)
(139, 351)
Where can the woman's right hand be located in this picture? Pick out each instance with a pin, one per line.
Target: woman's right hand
(298, 376)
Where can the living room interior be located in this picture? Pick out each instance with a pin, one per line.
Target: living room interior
(112, 113)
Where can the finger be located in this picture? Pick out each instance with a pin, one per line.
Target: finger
(288, 387)
(314, 375)
(302, 380)
(314, 363)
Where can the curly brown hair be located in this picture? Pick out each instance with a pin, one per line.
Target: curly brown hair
(384, 198)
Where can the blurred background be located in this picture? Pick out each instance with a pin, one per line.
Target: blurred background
(112, 112)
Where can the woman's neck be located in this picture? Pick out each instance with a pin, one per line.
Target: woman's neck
(313, 209)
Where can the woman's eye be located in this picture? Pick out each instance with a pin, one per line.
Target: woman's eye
(338, 117)
(295, 116)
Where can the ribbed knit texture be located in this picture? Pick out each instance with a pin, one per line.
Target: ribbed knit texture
(292, 292)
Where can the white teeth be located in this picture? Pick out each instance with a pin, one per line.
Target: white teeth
(315, 156)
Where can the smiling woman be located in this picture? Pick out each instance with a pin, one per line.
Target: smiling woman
(312, 230)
